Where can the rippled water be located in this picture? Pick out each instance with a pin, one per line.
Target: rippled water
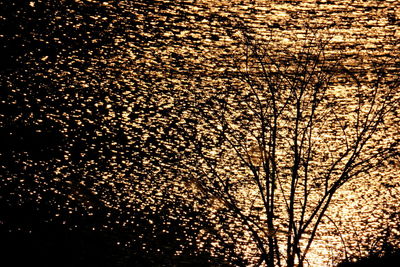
(95, 94)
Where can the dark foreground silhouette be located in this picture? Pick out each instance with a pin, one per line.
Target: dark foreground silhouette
(389, 257)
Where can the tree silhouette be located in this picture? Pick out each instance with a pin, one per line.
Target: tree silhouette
(101, 130)
(291, 125)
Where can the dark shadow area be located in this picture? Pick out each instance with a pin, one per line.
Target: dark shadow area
(389, 256)
(31, 237)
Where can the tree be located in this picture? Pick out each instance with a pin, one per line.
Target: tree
(291, 125)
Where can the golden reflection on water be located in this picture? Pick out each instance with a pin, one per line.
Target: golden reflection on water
(365, 28)
(185, 46)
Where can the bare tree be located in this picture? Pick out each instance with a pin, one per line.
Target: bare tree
(292, 125)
